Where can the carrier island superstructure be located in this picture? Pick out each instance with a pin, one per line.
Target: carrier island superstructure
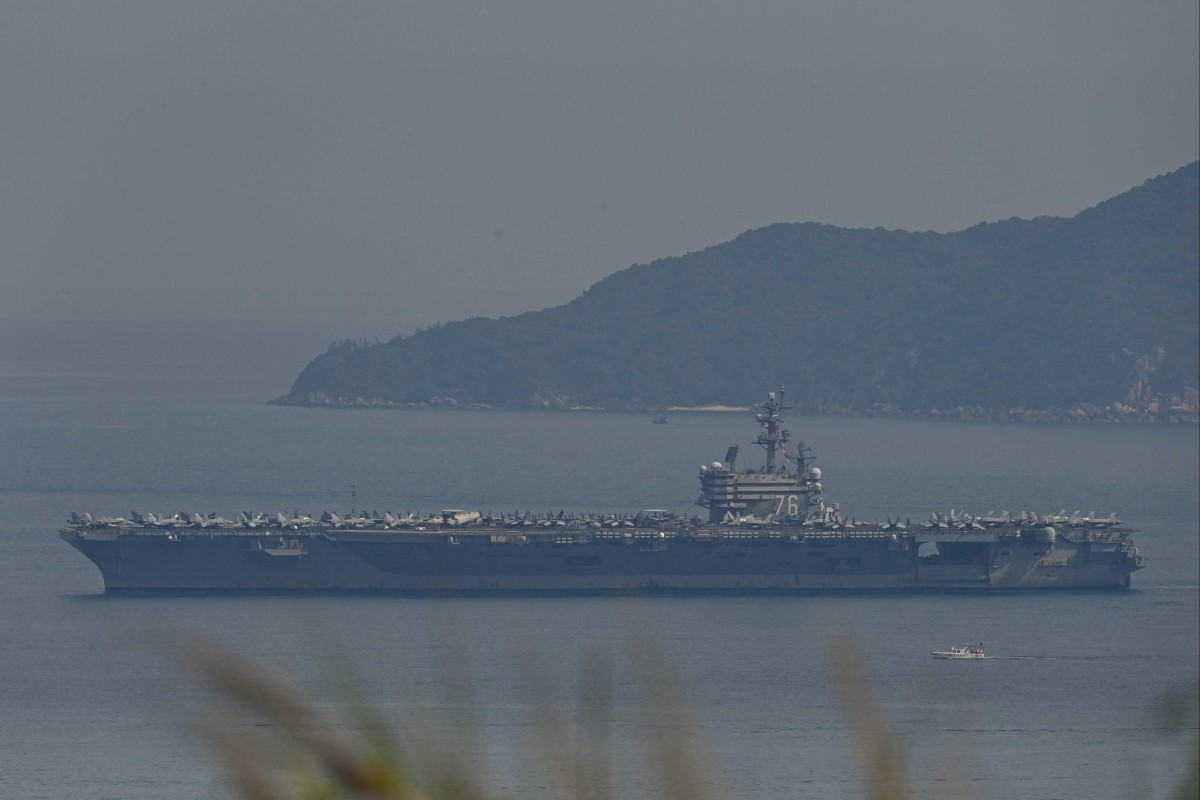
(768, 529)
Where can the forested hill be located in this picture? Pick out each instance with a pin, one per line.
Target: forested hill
(1094, 316)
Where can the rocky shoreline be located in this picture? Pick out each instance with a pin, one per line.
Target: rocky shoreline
(1174, 409)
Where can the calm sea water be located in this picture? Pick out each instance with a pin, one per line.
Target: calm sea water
(92, 707)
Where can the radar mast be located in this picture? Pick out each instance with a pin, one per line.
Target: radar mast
(773, 436)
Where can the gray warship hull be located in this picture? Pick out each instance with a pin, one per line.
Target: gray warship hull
(708, 558)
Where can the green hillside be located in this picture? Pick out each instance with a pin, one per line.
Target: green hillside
(1047, 314)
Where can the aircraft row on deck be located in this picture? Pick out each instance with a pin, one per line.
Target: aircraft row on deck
(650, 518)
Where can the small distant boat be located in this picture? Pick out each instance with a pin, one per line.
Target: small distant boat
(660, 420)
(972, 649)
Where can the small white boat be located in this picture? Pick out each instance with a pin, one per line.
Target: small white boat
(972, 650)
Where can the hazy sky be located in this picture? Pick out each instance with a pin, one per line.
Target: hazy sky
(370, 167)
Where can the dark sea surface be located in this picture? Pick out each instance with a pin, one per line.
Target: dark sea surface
(92, 706)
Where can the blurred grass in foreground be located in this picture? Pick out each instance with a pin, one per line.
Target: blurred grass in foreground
(1179, 711)
(300, 752)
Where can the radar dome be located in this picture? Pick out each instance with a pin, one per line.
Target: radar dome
(814, 474)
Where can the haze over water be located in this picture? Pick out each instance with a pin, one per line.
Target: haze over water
(198, 198)
(92, 707)
(407, 164)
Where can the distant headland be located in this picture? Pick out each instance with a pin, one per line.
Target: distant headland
(1095, 318)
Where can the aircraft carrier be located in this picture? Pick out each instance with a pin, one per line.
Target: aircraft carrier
(767, 529)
